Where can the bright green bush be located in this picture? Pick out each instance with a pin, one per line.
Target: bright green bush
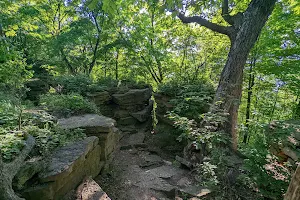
(189, 100)
(72, 84)
(265, 171)
(47, 139)
(67, 104)
(10, 109)
(42, 126)
(11, 143)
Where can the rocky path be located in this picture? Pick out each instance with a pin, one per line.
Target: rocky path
(139, 170)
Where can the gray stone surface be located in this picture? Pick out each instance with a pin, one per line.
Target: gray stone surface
(196, 191)
(166, 171)
(99, 98)
(67, 167)
(127, 121)
(92, 123)
(31, 167)
(135, 96)
(291, 153)
(90, 190)
(64, 159)
(145, 114)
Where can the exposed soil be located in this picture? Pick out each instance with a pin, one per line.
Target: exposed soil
(143, 168)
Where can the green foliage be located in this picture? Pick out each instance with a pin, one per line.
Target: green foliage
(9, 113)
(17, 123)
(67, 104)
(208, 174)
(11, 143)
(266, 169)
(189, 100)
(47, 139)
(72, 84)
(206, 132)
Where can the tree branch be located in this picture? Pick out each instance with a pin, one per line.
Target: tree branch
(13, 167)
(225, 13)
(203, 22)
(96, 45)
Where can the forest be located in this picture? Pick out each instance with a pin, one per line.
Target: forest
(224, 77)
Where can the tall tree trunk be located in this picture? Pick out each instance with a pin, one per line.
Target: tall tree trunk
(230, 85)
(9, 170)
(249, 97)
(243, 33)
(293, 192)
(117, 67)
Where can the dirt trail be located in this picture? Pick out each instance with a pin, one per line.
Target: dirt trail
(140, 170)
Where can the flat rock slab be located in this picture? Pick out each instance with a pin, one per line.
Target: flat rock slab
(145, 114)
(63, 159)
(135, 96)
(150, 160)
(66, 169)
(90, 190)
(146, 180)
(91, 123)
(166, 171)
(137, 138)
(196, 191)
(132, 140)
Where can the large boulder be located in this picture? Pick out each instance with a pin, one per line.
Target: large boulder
(100, 98)
(95, 125)
(66, 169)
(91, 123)
(135, 96)
(143, 115)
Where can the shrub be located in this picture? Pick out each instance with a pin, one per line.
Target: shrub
(10, 109)
(72, 84)
(265, 171)
(189, 100)
(11, 143)
(67, 104)
(47, 139)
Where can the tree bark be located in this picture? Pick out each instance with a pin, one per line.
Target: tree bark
(243, 33)
(293, 192)
(117, 67)
(230, 85)
(249, 98)
(9, 170)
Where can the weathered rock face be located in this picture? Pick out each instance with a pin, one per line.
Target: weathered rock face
(31, 167)
(91, 123)
(95, 125)
(293, 192)
(163, 106)
(128, 108)
(103, 101)
(135, 96)
(288, 149)
(90, 190)
(145, 114)
(67, 167)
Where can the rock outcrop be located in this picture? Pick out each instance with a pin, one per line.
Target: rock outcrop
(67, 167)
(286, 146)
(95, 125)
(130, 107)
(90, 190)
(163, 106)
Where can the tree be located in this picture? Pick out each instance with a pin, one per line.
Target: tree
(9, 170)
(243, 31)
